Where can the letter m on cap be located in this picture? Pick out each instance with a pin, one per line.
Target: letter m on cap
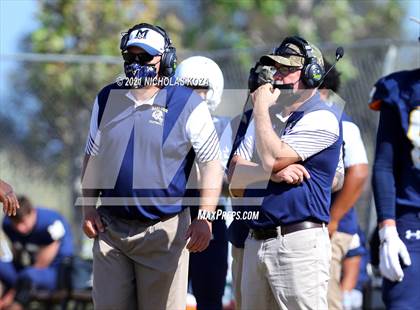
(141, 34)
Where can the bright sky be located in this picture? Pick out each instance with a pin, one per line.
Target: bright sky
(17, 17)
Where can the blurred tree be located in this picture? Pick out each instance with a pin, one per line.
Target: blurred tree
(249, 23)
(63, 92)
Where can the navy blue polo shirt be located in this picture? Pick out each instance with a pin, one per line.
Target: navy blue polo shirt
(142, 154)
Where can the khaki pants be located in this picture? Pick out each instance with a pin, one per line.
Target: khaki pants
(288, 272)
(340, 243)
(237, 262)
(141, 267)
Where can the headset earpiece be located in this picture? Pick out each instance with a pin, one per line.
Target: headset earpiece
(123, 41)
(312, 74)
(312, 71)
(168, 62)
(253, 78)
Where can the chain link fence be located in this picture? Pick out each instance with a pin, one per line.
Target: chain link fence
(368, 61)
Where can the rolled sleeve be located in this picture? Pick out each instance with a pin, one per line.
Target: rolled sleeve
(202, 134)
(94, 137)
(314, 132)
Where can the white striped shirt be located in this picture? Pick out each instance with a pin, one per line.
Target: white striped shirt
(314, 132)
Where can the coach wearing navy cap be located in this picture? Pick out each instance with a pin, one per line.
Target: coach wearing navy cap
(287, 253)
(143, 140)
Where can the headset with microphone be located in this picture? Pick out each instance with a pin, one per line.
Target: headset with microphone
(168, 60)
(339, 53)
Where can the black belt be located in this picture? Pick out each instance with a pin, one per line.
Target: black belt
(141, 221)
(268, 233)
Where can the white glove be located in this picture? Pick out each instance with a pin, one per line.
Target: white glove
(391, 248)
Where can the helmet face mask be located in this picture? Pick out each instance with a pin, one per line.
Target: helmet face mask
(202, 73)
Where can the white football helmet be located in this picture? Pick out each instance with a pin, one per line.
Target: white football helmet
(198, 69)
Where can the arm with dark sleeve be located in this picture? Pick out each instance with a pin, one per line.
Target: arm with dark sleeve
(383, 180)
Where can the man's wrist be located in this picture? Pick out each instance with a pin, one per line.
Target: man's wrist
(333, 222)
(387, 232)
(260, 111)
(87, 209)
(387, 222)
(333, 216)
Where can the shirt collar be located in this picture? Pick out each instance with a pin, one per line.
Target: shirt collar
(138, 103)
(283, 119)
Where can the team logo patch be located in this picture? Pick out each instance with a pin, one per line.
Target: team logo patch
(158, 115)
(412, 234)
(141, 34)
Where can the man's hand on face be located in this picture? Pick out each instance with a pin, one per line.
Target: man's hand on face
(199, 233)
(265, 96)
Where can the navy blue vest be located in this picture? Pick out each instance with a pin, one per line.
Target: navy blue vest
(285, 204)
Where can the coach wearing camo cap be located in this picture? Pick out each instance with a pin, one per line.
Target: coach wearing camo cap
(294, 142)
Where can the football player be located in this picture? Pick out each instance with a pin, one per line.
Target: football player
(396, 185)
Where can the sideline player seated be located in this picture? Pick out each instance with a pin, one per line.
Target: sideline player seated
(208, 268)
(40, 239)
(396, 186)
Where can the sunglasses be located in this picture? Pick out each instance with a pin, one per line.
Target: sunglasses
(141, 58)
(285, 70)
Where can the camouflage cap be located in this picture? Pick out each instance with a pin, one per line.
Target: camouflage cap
(291, 55)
